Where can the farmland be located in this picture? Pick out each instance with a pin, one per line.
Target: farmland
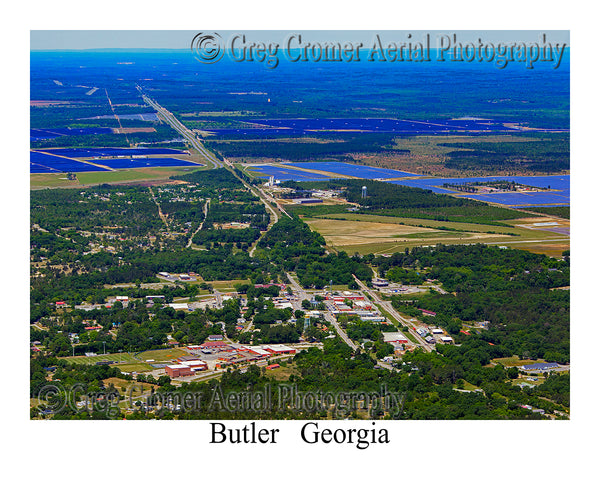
(117, 176)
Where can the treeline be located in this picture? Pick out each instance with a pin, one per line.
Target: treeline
(226, 235)
(510, 289)
(563, 212)
(225, 212)
(365, 142)
(183, 212)
(127, 210)
(466, 268)
(291, 244)
(397, 200)
(547, 155)
(163, 133)
(218, 179)
(386, 198)
(142, 266)
(531, 323)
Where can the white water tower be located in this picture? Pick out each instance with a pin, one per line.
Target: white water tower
(363, 192)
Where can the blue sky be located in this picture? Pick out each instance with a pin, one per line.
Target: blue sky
(181, 39)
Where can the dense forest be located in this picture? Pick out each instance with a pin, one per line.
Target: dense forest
(548, 155)
(509, 289)
(305, 150)
(291, 244)
(399, 201)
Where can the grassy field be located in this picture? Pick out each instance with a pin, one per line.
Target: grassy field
(364, 234)
(227, 285)
(165, 355)
(344, 232)
(282, 373)
(53, 180)
(121, 382)
(134, 367)
(514, 361)
(114, 357)
(127, 362)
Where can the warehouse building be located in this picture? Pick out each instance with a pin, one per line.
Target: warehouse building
(279, 349)
(394, 337)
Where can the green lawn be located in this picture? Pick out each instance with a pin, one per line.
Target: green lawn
(134, 367)
(115, 357)
(159, 356)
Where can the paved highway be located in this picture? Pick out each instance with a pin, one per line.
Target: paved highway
(387, 306)
(210, 158)
(331, 318)
(328, 316)
(182, 129)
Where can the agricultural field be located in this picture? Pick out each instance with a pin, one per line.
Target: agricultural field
(83, 179)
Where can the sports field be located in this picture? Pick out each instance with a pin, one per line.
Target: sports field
(131, 362)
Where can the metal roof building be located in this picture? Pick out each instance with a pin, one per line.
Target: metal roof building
(540, 366)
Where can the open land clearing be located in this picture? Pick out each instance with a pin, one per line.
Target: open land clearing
(428, 154)
(380, 234)
(53, 180)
